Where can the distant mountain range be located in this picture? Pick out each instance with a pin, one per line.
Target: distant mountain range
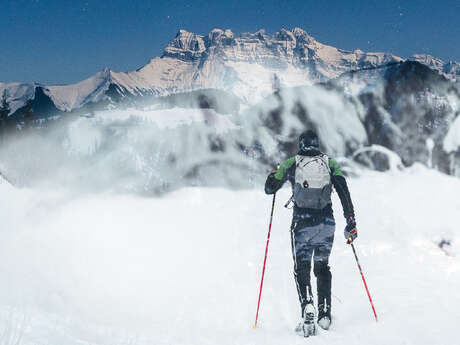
(253, 95)
(243, 65)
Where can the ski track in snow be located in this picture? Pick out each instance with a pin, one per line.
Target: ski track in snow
(185, 268)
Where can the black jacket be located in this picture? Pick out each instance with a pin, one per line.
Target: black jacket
(305, 216)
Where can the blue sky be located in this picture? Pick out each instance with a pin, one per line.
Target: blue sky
(66, 41)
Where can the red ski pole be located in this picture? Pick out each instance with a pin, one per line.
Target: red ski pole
(364, 280)
(265, 260)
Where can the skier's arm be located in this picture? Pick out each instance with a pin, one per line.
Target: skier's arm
(340, 185)
(277, 178)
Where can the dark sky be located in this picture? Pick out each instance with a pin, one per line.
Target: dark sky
(65, 41)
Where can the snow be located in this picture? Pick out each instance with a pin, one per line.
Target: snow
(155, 149)
(5, 185)
(170, 118)
(17, 94)
(69, 97)
(83, 137)
(447, 69)
(335, 117)
(257, 82)
(135, 150)
(185, 268)
(394, 161)
(451, 141)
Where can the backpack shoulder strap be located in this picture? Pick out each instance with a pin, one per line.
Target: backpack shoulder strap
(325, 158)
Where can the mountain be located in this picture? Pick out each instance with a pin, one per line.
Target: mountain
(158, 143)
(405, 106)
(401, 107)
(450, 70)
(244, 65)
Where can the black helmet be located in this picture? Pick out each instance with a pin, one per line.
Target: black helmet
(307, 140)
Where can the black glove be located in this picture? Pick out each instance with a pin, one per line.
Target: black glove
(272, 184)
(350, 231)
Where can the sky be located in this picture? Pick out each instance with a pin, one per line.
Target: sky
(65, 41)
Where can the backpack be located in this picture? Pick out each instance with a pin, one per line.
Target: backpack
(313, 185)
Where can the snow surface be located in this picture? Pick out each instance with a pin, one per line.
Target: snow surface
(185, 268)
(451, 141)
(170, 118)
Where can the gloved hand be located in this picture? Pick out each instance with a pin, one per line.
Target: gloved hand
(350, 231)
(272, 184)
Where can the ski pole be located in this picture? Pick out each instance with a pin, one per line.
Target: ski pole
(364, 280)
(265, 260)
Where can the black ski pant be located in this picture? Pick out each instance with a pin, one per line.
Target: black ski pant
(313, 242)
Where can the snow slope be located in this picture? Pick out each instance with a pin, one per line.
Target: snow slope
(69, 97)
(185, 268)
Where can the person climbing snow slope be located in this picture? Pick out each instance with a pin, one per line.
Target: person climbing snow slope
(312, 175)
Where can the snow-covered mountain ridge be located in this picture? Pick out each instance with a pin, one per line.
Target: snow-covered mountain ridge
(450, 69)
(400, 106)
(244, 65)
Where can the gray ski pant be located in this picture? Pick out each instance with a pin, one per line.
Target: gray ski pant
(313, 242)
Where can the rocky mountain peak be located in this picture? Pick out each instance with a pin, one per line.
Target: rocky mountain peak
(259, 35)
(427, 60)
(284, 35)
(302, 36)
(219, 37)
(185, 46)
(106, 73)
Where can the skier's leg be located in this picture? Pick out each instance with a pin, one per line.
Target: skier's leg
(324, 278)
(302, 254)
(321, 268)
(302, 280)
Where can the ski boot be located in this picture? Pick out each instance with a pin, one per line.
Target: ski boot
(307, 327)
(324, 316)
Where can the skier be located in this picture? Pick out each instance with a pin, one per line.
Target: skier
(312, 175)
